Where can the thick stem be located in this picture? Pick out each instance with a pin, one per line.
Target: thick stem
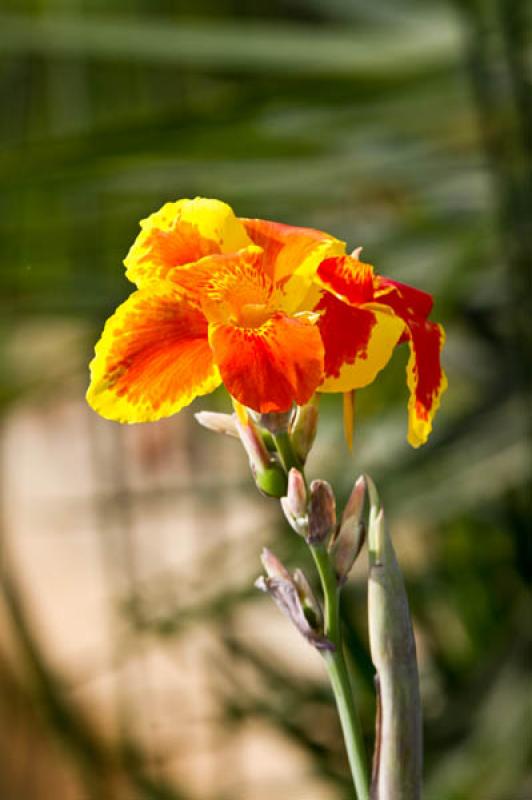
(339, 676)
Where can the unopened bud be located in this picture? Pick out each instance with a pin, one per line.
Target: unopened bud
(218, 423)
(294, 505)
(269, 476)
(322, 512)
(398, 763)
(310, 602)
(293, 596)
(273, 567)
(304, 428)
(351, 536)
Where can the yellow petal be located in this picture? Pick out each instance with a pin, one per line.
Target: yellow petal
(180, 233)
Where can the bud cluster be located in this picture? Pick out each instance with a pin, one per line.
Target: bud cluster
(312, 514)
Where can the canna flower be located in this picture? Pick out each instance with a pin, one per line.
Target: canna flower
(274, 312)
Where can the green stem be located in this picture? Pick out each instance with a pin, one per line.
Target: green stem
(334, 660)
(339, 676)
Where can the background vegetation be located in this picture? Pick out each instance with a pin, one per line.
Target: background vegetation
(402, 126)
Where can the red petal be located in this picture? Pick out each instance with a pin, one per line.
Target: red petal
(425, 376)
(426, 379)
(345, 332)
(349, 278)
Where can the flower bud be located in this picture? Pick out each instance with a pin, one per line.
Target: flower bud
(304, 428)
(269, 476)
(294, 504)
(218, 423)
(310, 602)
(322, 512)
(273, 567)
(293, 596)
(398, 762)
(352, 533)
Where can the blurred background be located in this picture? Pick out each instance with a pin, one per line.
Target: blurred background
(136, 658)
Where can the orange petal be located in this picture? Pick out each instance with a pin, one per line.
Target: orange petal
(358, 341)
(291, 257)
(181, 233)
(225, 286)
(153, 358)
(270, 367)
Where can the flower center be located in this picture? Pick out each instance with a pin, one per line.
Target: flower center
(252, 315)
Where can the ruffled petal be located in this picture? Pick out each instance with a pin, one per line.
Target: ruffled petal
(270, 367)
(358, 341)
(291, 258)
(227, 287)
(406, 300)
(425, 377)
(348, 278)
(153, 358)
(182, 233)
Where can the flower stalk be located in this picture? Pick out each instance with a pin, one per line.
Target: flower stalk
(322, 517)
(339, 676)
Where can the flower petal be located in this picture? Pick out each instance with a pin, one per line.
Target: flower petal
(270, 367)
(358, 341)
(407, 301)
(153, 358)
(182, 233)
(348, 278)
(226, 286)
(425, 376)
(291, 257)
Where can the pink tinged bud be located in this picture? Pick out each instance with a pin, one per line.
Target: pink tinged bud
(273, 567)
(258, 455)
(294, 505)
(322, 513)
(352, 533)
(294, 597)
(304, 427)
(297, 493)
(218, 423)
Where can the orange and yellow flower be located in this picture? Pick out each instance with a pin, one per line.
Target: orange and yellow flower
(273, 311)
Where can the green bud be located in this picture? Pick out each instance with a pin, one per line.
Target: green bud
(304, 428)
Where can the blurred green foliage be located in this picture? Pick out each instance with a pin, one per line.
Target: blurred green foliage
(402, 126)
